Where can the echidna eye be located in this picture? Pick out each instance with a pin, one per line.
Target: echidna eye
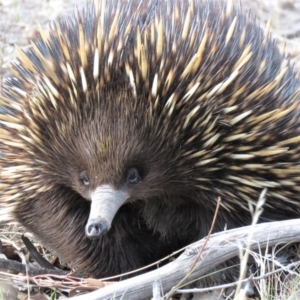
(133, 176)
(84, 178)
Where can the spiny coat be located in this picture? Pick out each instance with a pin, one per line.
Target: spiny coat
(159, 108)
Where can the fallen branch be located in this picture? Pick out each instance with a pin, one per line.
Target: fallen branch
(14, 267)
(220, 247)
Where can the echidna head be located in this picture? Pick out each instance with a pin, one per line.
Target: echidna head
(114, 154)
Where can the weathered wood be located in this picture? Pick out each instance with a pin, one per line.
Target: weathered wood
(14, 267)
(221, 247)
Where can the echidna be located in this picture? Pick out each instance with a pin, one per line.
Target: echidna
(124, 124)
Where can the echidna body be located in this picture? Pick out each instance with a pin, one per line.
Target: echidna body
(125, 123)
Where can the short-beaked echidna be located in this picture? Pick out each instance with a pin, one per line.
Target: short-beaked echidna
(127, 121)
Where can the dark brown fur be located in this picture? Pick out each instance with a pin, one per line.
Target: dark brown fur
(114, 124)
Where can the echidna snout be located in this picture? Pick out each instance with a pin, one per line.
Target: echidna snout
(96, 228)
(105, 203)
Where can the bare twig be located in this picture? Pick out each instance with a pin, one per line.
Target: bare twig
(15, 267)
